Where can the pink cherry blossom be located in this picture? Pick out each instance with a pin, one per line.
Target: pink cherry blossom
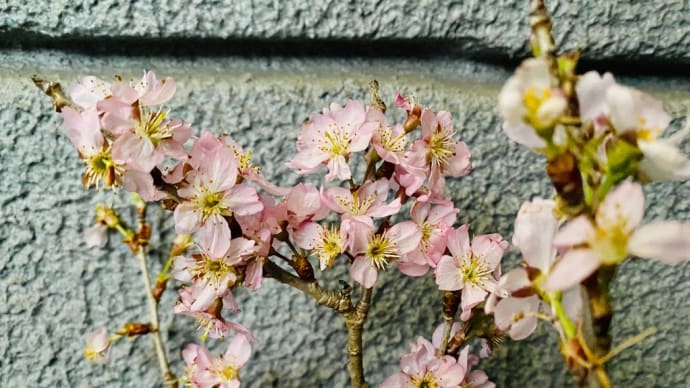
(627, 110)
(361, 206)
(389, 141)
(444, 155)
(213, 325)
(330, 138)
(374, 251)
(615, 234)
(152, 91)
(423, 368)
(215, 273)
(210, 195)
(304, 204)
(224, 372)
(472, 268)
(325, 243)
(434, 219)
(203, 370)
(97, 346)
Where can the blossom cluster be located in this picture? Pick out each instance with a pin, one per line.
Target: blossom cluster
(239, 220)
(425, 366)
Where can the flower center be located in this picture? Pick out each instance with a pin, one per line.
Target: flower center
(474, 271)
(211, 203)
(336, 140)
(533, 99)
(611, 244)
(356, 206)
(329, 246)
(99, 167)
(441, 148)
(427, 230)
(213, 271)
(150, 126)
(381, 250)
(390, 143)
(426, 381)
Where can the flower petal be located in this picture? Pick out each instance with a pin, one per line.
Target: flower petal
(573, 268)
(664, 241)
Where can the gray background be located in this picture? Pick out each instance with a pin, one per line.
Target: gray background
(256, 69)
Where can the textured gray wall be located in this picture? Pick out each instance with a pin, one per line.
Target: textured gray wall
(53, 290)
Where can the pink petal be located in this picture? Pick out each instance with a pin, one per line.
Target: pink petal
(364, 272)
(591, 94)
(575, 266)
(459, 164)
(508, 308)
(308, 235)
(405, 235)
(488, 248)
(412, 269)
(238, 351)
(429, 123)
(214, 236)
(243, 200)
(96, 236)
(625, 203)
(523, 134)
(575, 232)
(448, 275)
(220, 170)
(338, 167)
(664, 241)
(239, 249)
(472, 296)
(459, 241)
(535, 228)
(187, 218)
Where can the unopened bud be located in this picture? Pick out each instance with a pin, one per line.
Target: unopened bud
(181, 243)
(159, 289)
(132, 329)
(451, 301)
(106, 215)
(303, 268)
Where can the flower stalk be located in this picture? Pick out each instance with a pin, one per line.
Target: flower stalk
(168, 377)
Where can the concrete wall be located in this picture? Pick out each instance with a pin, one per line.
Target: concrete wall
(256, 69)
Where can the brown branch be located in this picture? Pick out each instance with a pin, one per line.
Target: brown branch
(354, 321)
(337, 300)
(355, 315)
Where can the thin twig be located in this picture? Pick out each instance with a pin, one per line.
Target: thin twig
(168, 377)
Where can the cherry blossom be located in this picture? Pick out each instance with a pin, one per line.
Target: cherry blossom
(212, 194)
(216, 273)
(374, 251)
(472, 268)
(530, 104)
(444, 155)
(206, 371)
(330, 138)
(97, 346)
(613, 236)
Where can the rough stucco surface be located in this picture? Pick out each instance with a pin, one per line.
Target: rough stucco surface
(53, 289)
(618, 29)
